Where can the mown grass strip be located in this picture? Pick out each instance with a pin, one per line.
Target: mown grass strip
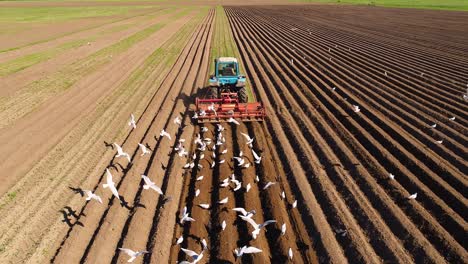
(60, 14)
(29, 98)
(223, 45)
(147, 13)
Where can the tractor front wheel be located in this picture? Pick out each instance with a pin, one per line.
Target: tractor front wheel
(213, 93)
(242, 94)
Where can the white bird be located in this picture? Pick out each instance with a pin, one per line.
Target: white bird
(334, 88)
(246, 165)
(465, 97)
(120, 152)
(224, 184)
(195, 115)
(244, 212)
(222, 161)
(240, 161)
(177, 121)
(204, 206)
(452, 118)
(197, 192)
(294, 205)
(232, 120)
(143, 149)
(163, 133)
(150, 184)
(256, 178)
(202, 156)
(180, 240)
(238, 186)
(220, 128)
(434, 125)
(290, 253)
(204, 129)
(391, 176)
(268, 185)
(413, 196)
(200, 178)
(283, 229)
(212, 108)
(224, 151)
(204, 244)
(223, 201)
(439, 141)
(132, 122)
(132, 254)
(110, 184)
(247, 188)
(246, 250)
(257, 227)
(257, 157)
(223, 225)
(356, 108)
(184, 217)
(385, 73)
(90, 195)
(249, 139)
(195, 256)
(283, 195)
(189, 165)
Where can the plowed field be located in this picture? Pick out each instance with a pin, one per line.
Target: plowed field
(309, 65)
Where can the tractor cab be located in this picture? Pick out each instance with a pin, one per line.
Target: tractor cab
(227, 74)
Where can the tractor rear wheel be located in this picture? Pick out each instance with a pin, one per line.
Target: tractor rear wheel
(242, 94)
(213, 93)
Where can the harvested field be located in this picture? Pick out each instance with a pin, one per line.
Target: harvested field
(309, 65)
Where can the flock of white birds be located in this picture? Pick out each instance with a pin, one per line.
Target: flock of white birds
(202, 144)
(240, 161)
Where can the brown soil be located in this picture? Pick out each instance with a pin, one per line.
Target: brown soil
(333, 161)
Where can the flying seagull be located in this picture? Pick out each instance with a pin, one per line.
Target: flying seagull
(132, 122)
(246, 250)
(184, 217)
(90, 195)
(249, 139)
(132, 254)
(143, 149)
(165, 134)
(120, 152)
(257, 227)
(257, 157)
(110, 184)
(195, 256)
(244, 212)
(232, 120)
(149, 184)
(413, 196)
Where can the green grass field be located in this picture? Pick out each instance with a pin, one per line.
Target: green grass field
(223, 45)
(57, 14)
(461, 5)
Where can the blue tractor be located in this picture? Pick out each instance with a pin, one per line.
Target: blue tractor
(227, 79)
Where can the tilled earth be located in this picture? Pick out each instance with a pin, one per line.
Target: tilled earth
(309, 65)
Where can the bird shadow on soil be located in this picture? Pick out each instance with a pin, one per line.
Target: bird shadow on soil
(108, 145)
(77, 190)
(124, 203)
(67, 220)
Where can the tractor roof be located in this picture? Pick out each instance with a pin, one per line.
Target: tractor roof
(227, 59)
